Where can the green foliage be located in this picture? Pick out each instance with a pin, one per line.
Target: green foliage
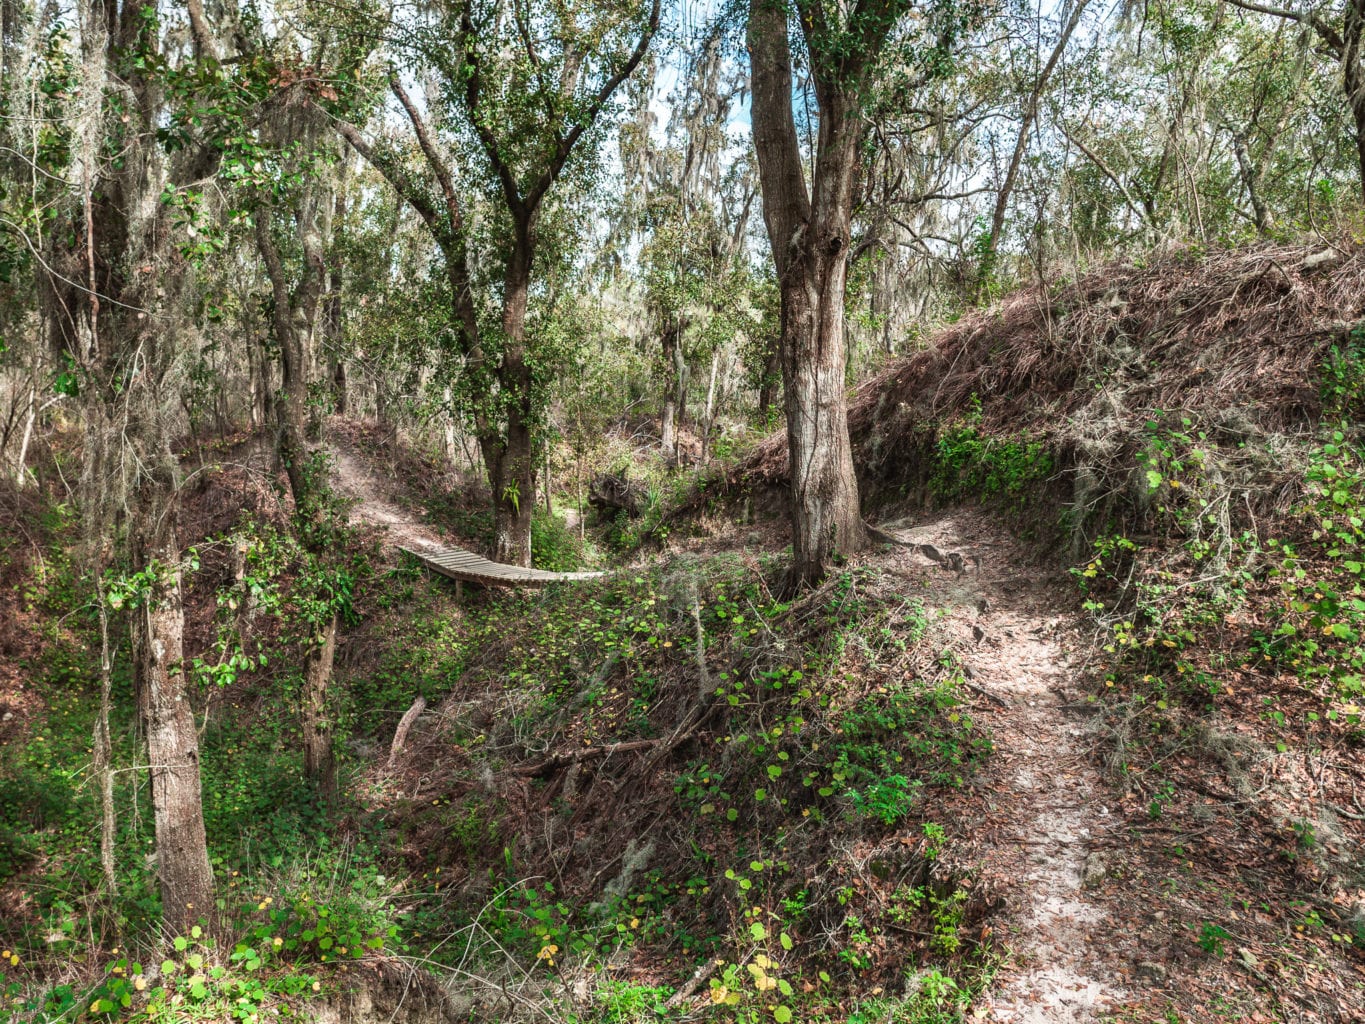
(554, 546)
(881, 737)
(1212, 938)
(620, 1002)
(1323, 580)
(1343, 378)
(968, 463)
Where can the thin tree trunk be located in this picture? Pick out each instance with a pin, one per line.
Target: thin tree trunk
(332, 318)
(1026, 125)
(102, 748)
(294, 319)
(319, 761)
(681, 375)
(772, 377)
(20, 476)
(1251, 178)
(710, 416)
(668, 439)
(163, 700)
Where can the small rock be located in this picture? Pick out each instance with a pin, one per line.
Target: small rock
(1319, 259)
(1095, 870)
(8, 716)
(1150, 970)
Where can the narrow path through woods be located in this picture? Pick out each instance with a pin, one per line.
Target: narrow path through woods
(1039, 837)
(357, 480)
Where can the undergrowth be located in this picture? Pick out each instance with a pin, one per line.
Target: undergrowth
(770, 748)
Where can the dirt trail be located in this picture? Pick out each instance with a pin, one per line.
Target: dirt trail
(1040, 831)
(358, 482)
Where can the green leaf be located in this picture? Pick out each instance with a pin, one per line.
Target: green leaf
(758, 932)
(786, 940)
(181, 943)
(782, 1015)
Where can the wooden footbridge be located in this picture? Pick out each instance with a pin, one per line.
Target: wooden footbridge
(467, 567)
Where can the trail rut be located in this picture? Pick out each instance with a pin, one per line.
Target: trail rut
(358, 482)
(1041, 830)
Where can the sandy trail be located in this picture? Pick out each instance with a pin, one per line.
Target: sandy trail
(358, 482)
(1050, 806)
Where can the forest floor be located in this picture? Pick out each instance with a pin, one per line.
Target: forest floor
(1106, 911)
(1088, 935)
(374, 505)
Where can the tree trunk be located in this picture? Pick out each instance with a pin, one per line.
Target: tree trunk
(319, 763)
(1353, 77)
(826, 517)
(709, 416)
(101, 748)
(1025, 127)
(514, 496)
(681, 377)
(772, 376)
(20, 474)
(332, 318)
(514, 489)
(810, 242)
(668, 439)
(1251, 179)
(295, 316)
(163, 701)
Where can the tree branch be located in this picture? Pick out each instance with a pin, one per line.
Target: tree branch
(434, 157)
(604, 94)
(1327, 32)
(392, 172)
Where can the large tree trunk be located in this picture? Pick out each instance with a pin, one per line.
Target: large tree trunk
(1353, 76)
(810, 242)
(163, 700)
(123, 325)
(826, 518)
(514, 482)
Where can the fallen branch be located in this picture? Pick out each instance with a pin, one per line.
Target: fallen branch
(400, 734)
(975, 688)
(693, 983)
(568, 757)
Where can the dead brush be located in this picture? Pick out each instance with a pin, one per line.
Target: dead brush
(1233, 340)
